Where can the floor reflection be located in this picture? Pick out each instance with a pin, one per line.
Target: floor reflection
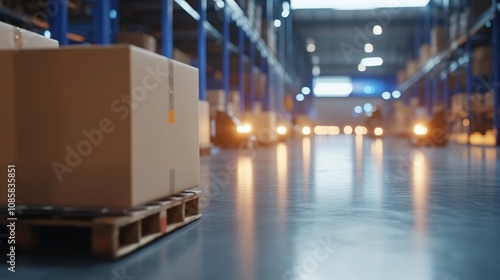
(282, 167)
(245, 210)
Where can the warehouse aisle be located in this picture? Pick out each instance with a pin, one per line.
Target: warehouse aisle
(325, 208)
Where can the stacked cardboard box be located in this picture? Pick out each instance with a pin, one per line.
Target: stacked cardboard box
(13, 40)
(425, 54)
(112, 127)
(411, 67)
(234, 105)
(182, 56)
(139, 39)
(217, 101)
(439, 40)
(402, 77)
(471, 14)
(482, 61)
(264, 126)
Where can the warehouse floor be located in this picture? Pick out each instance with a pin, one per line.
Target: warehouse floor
(324, 208)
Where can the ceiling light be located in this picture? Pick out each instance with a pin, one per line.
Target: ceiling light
(369, 89)
(377, 30)
(47, 34)
(285, 13)
(300, 97)
(306, 90)
(372, 61)
(386, 95)
(368, 48)
(358, 109)
(368, 107)
(361, 68)
(316, 71)
(113, 14)
(333, 86)
(277, 23)
(220, 4)
(311, 47)
(357, 4)
(396, 94)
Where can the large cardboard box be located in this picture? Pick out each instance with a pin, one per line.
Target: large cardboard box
(139, 39)
(204, 123)
(112, 127)
(13, 39)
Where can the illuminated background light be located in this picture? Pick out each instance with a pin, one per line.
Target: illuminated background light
(386, 95)
(377, 30)
(368, 48)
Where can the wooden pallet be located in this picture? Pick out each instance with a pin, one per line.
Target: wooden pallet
(206, 150)
(112, 237)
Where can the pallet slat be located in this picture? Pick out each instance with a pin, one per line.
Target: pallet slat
(115, 236)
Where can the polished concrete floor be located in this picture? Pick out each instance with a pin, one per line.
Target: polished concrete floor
(340, 207)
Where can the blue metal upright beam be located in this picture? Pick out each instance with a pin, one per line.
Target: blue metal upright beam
(496, 72)
(226, 55)
(427, 24)
(241, 56)
(263, 84)
(446, 93)
(102, 22)
(435, 90)
(202, 49)
(115, 19)
(167, 28)
(417, 39)
(270, 77)
(468, 69)
(58, 20)
(251, 94)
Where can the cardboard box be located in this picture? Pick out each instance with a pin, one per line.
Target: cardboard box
(139, 39)
(16, 38)
(439, 40)
(204, 123)
(112, 127)
(182, 56)
(402, 77)
(264, 126)
(411, 67)
(425, 54)
(482, 61)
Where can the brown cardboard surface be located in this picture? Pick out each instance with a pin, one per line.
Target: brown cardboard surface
(204, 122)
(264, 126)
(12, 38)
(132, 147)
(138, 39)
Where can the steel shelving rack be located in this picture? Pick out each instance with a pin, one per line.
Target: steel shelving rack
(250, 47)
(431, 73)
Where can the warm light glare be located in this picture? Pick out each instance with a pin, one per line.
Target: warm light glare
(466, 122)
(356, 5)
(372, 61)
(378, 131)
(244, 128)
(360, 130)
(361, 68)
(420, 129)
(348, 130)
(368, 48)
(281, 130)
(306, 130)
(377, 30)
(326, 130)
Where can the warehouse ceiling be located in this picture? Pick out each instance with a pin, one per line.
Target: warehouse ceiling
(340, 38)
